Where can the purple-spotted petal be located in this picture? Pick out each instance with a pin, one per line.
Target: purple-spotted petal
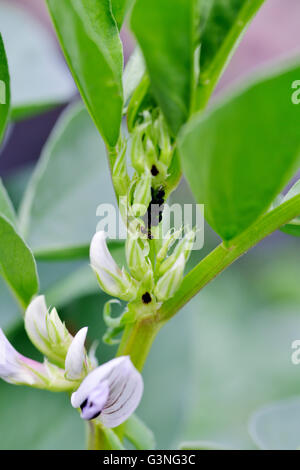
(125, 385)
(94, 404)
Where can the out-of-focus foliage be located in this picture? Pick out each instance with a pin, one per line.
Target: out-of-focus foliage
(39, 78)
(277, 426)
(58, 212)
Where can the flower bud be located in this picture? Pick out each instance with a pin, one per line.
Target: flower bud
(46, 331)
(20, 370)
(137, 251)
(168, 284)
(184, 247)
(76, 360)
(111, 278)
(142, 195)
(119, 173)
(169, 239)
(163, 140)
(137, 151)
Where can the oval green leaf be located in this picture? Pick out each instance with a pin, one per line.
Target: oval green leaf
(17, 264)
(166, 32)
(89, 37)
(238, 156)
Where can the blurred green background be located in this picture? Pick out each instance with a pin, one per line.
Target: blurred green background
(225, 355)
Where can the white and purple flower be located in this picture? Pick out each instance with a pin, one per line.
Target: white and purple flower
(110, 393)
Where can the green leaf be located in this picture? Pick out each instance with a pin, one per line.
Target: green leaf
(277, 426)
(133, 74)
(17, 264)
(120, 8)
(139, 434)
(166, 32)
(58, 212)
(4, 90)
(90, 40)
(222, 25)
(39, 78)
(240, 154)
(6, 207)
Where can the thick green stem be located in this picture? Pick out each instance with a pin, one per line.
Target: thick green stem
(100, 438)
(137, 340)
(210, 77)
(96, 439)
(223, 256)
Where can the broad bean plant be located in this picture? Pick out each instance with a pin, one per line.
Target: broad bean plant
(158, 123)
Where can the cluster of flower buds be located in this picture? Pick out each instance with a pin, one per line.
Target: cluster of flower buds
(151, 146)
(148, 281)
(109, 393)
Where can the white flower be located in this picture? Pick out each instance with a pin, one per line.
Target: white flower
(110, 393)
(76, 359)
(20, 370)
(169, 283)
(111, 278)
(46, 331)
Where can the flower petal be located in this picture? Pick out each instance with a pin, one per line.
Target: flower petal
(125, 385)
(15, 368)
(101, 259)
(35, 319)
(76, 357)
(125, 396)
(93, 405)
(46, 331)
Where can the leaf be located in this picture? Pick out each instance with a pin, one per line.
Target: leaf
(166, 32)
(90, 40)
(133, 74)
(58, 212)
(277, 426)
(39, 78)
(17, 264)
(120, 8)
(4, 90)
(222, 25)
(6, 207)
(240, 154)
(139, 434)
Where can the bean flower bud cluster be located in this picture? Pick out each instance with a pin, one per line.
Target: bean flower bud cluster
(155, 261)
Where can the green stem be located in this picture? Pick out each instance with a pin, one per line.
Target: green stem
(223, 256)
(137, 340)
(100, 438)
